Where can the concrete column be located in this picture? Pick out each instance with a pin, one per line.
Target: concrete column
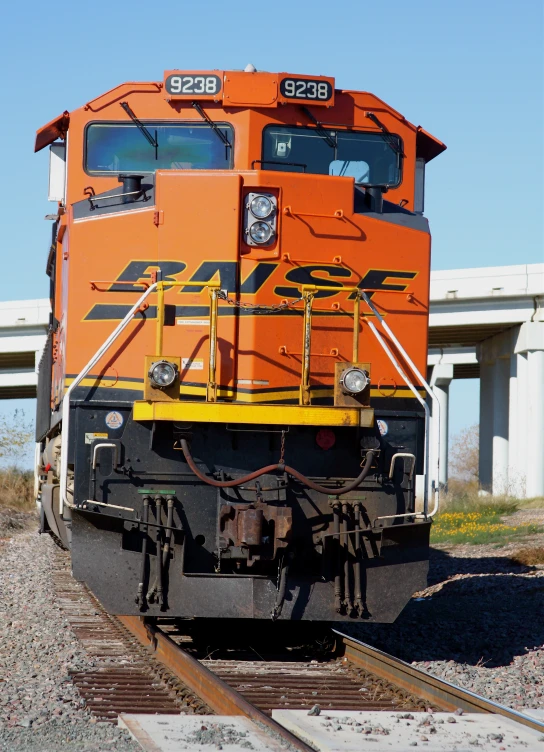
(486, 425)
(440, 383)
(501, 378)
(534, 425)
(513, 426)
(517, 419)
(528, 346)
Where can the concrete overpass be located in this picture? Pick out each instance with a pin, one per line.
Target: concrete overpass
(489, 324)
(485, 323)
(23, 331)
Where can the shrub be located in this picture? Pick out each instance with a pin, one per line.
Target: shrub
(17, 488)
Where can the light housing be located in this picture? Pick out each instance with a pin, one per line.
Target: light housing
(260, 224)
(354, 380)
(261, 206)
(162, 374)
(260, 232)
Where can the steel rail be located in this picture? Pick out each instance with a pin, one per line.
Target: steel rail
(217, 694)
(437, 691)
(224, 700)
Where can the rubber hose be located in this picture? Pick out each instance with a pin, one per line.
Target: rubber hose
(283, 468)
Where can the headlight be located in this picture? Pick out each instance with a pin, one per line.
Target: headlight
(162, 374)
(260, 232)
(261, 207)
(354, 380)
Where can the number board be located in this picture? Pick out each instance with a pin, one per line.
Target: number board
(193, 84)
(301, 89)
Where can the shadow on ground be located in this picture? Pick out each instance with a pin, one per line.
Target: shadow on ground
(488, 618)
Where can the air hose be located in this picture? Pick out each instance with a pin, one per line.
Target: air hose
(282, 468)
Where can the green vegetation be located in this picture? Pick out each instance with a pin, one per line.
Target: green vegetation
(470, 518)
(467, 517)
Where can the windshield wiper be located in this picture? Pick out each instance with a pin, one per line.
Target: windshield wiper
(322, 132)
(213, 125)
(389, 139)
(141, 127)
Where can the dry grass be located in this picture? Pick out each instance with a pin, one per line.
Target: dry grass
(529, 556)
(17, 489)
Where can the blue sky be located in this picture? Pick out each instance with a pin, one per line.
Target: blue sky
(469, 72)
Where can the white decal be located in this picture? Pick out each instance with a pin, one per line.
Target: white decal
(114, 420)
(192, 364)
(383, 428)
(90, 437)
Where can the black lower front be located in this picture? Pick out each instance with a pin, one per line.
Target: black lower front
(148, 537)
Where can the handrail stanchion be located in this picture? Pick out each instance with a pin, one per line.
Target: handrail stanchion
(306, 345)
(431, 465)
(211, 392)
(160, 319)
(78, 379)
(356, 315)
(159, 287)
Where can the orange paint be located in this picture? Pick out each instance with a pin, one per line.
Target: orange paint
(195, 222)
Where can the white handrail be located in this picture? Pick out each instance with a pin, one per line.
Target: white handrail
(431, 469)
(78, 379)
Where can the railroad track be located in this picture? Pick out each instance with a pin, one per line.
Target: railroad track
(156, 666)
(125, 677)
(251, 689)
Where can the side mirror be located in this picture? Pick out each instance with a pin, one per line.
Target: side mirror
(57, 172)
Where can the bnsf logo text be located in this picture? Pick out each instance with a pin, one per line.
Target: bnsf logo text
(228, 274)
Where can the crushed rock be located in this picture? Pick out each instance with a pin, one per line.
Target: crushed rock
(479, 624)
(40, 709)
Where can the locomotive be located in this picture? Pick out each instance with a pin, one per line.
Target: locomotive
(231, 408)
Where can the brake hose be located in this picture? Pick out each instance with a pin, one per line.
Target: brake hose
(282, 468)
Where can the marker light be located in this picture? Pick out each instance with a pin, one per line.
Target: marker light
(260, 232)
(162, 374)
(325, 438)
(354, 380)
(261, 207)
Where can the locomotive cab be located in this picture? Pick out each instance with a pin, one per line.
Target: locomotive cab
(231, 409)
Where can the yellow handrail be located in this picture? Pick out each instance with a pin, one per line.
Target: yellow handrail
(306, 344)
(308, 292)
(212, 287)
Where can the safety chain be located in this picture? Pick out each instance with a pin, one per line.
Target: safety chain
(223, 295)
(282, 449)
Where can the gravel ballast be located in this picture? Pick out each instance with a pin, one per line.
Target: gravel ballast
(40, 709)
(479, 624)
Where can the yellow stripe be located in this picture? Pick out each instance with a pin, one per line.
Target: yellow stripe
(405, 394)
(222, 412)
(243, 397)
(106, 383)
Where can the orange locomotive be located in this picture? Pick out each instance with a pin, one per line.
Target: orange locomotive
(231, 410)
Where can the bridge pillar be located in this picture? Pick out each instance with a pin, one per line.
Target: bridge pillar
(485, 471)
(501, 379)
(512, 411)
(441, 378)
(529, 349)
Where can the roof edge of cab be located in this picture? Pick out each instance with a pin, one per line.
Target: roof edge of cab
(56, 128)
(427, 146)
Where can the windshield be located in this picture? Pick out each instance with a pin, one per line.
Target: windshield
(122, 147)
(370, 158)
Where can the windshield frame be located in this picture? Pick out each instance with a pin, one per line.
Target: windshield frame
(323, 129)
(150, 124)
